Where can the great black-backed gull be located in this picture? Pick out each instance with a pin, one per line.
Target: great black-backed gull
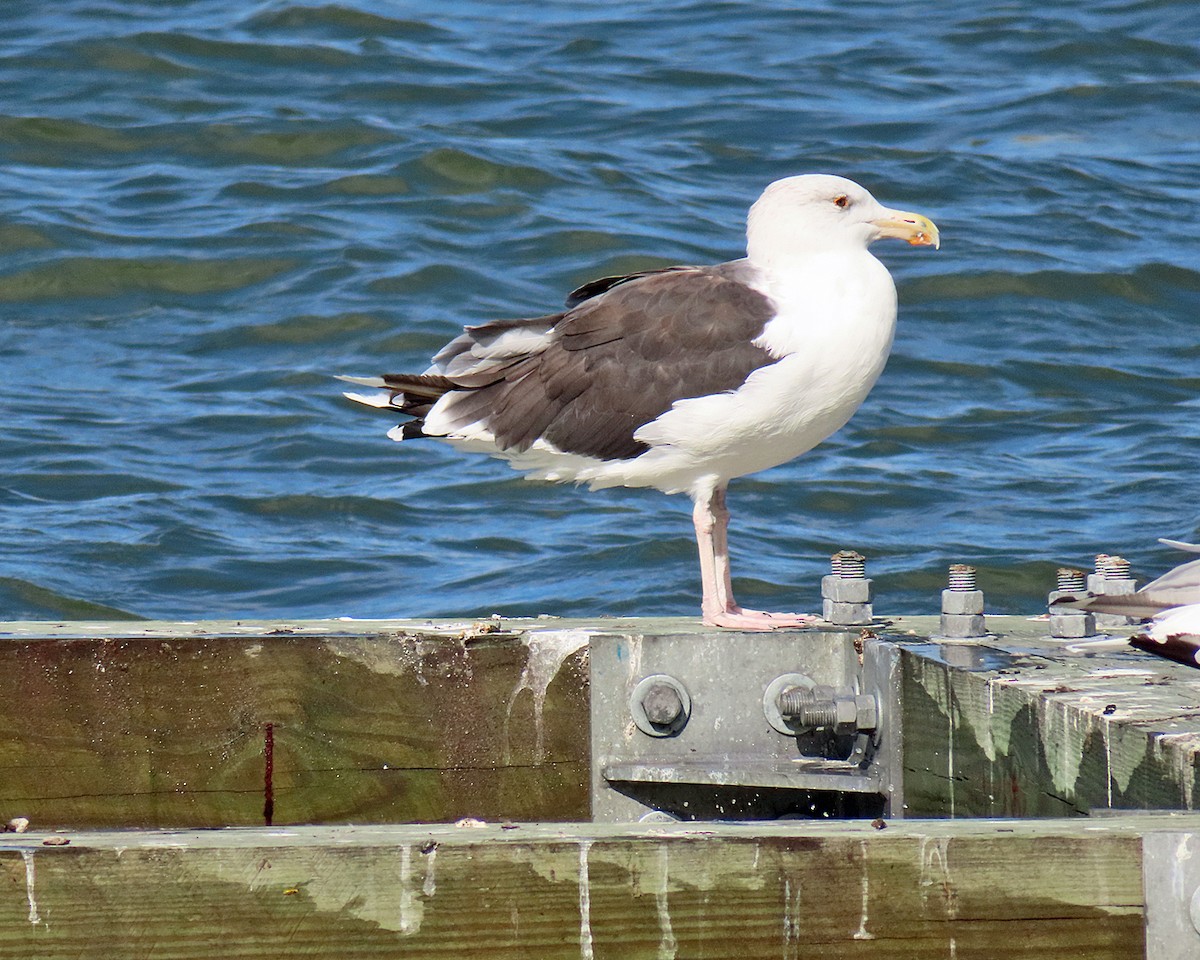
(683, 378)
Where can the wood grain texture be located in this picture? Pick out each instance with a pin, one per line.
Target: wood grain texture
(171, 731)
(918, 890)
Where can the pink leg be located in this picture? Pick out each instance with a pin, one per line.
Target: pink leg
(711, 518)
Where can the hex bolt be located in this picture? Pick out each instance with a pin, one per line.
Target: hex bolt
(1112, 578)
(962, 604)
(820, 708)
(846, 593)
(662, 704)
(1065, 622)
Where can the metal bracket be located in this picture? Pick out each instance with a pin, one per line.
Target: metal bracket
(725, 726)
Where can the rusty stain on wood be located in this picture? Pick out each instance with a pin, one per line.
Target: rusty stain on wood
(269, 774)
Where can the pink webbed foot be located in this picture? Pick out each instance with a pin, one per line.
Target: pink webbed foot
(738, 618)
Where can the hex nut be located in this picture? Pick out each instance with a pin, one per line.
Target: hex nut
(868, 711)
(1056, 595)
(846, 614)
(1121, 586)
(842, 590)
(847, 715)
(962, 601)
(963, 625)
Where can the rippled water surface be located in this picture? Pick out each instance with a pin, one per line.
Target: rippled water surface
(208, 207)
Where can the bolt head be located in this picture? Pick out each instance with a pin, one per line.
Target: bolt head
(846, 614)
(962, 625)
(662, 704)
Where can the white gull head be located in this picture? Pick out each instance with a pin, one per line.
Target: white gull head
(814, 212)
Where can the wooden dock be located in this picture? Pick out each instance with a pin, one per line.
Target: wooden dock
(950, 888)
(342, 751)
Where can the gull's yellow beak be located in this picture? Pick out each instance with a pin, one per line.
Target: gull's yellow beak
(916, 229)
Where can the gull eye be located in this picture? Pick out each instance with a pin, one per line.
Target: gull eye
(841, 200)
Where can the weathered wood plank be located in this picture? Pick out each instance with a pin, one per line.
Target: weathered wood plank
(914, 890)
(152, 724)
(385, 725)
(1019, 725)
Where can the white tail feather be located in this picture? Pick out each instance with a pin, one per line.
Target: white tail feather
(363, 381)
(1180, 545)
(381, 401)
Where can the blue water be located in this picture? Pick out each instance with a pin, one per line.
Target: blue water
(208, 207)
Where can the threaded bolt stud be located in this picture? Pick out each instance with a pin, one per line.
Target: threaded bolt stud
(1112, 578)
(962, 605)
(1114, 568)
(962, 578)
(807, 709)
(1067, 623)
(848, 564)
(1069, 579)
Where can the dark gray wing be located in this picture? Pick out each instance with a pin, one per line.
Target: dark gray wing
(620, 359)
(593, 288)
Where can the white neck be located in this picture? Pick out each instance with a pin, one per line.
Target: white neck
(786, 267)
